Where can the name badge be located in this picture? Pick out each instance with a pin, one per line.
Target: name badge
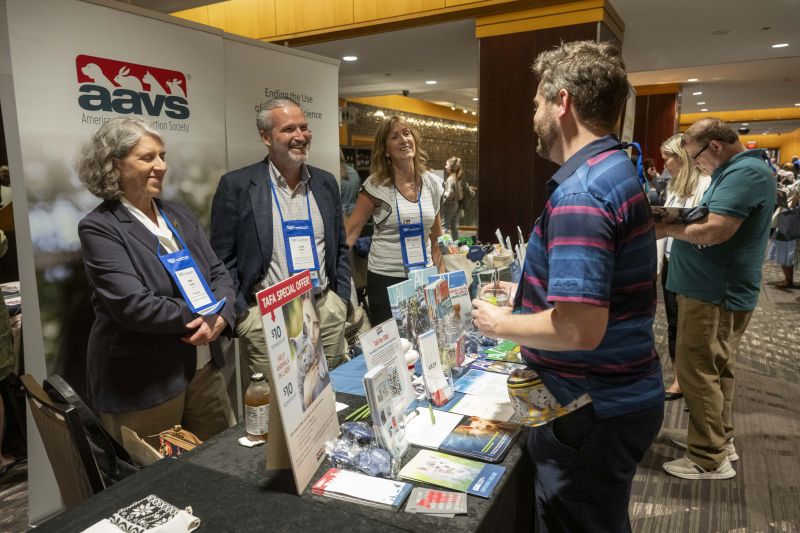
(299, 241)
(412, 238)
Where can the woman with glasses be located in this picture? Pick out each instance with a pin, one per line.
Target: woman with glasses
(685, 189)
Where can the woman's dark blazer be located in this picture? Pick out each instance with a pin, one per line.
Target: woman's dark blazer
(136, 359)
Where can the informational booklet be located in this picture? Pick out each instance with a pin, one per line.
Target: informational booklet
(402, 299)
(381, 346)
(467, 436)
(457, 473)
(486, 384)
(432, 502)
(386, 408)
(500, 367)
(471, 405)
(360, 488)
(459, 291)
(420, 276)
(437, 298)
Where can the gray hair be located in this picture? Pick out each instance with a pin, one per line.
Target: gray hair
(95, 163)
(264, 119)
(709, 129)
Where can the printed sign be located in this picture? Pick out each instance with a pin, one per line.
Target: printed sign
(306, 405)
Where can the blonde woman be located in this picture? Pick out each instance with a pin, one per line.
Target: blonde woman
(403, 199)
(685, 189)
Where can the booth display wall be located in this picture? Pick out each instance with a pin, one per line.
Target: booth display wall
(441, 139)
(65, 73)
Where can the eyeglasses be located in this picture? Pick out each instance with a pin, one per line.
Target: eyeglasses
(695, 156)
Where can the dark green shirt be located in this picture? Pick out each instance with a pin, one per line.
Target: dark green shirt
(742, 188)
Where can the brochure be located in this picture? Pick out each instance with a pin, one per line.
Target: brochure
(459, 292)
(485, 384)
(381, 346)
(434, 502)
(360, 488)
(457, 473)
(386, 406)
(484, 407)
(401, 296)
(467, 436)
(437, 298)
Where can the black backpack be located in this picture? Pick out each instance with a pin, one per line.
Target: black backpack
(114, 462)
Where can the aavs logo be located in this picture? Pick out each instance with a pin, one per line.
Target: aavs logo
(128, 88)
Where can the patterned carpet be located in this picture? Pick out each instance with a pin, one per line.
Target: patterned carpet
(765, 494)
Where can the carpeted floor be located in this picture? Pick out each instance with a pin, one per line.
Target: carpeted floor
(765, 494)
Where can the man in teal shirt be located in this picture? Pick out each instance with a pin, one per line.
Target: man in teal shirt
(715, 268)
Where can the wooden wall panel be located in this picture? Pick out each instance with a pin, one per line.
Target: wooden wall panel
(250, 18)
(365, 10)
(293, 16)
(656, 121)
(511, 176)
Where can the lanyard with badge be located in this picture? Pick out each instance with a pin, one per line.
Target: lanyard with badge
(190, 281)
(299, 241)
(412, 238)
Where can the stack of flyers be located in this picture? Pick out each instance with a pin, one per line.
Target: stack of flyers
(457, 473)
(363, 489)
(434, 502)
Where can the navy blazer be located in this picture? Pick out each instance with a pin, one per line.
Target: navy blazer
(241, 229)
(136, 359)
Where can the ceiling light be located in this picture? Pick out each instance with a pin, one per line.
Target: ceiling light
(797, 104)
(349, 58)
(474, 113)
(431, 82)
(697, 93)
(704, 109)
(379, 114)
(452, 108)
(692, 79)
(745, 123)
(465, 111)
(701, 103)
(780, 45)
(475, 99)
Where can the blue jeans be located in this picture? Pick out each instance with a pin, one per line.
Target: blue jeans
(584, 468)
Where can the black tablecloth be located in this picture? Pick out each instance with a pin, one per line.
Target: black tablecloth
(227, 486)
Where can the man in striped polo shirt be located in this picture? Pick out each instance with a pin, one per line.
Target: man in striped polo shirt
(584, 309)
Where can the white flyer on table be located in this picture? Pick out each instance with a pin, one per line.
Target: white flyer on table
(480, 406)
(381, 346)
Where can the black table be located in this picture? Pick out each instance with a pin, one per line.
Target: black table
(226, 486)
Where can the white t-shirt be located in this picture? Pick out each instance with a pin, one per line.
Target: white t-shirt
(385, 254)
(169, 245)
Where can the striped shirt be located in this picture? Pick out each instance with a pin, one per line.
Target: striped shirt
(595, 244)
(294, 207)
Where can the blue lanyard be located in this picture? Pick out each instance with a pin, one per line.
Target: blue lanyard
(419, 204)
(173, 230)
(278, 204)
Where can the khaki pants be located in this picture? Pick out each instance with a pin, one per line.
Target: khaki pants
(203, 408)
(332, 316)
(708, 336)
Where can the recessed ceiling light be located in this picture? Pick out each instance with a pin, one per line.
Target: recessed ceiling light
(431, 82)
(692, 79)
(745, 123)
(452, 108)
(704, 109)
(780, 45)
(701, 103)
(697, 93)
(475, 99)
(797, 104)
(349, 58)
(466, 111)
(474, 113)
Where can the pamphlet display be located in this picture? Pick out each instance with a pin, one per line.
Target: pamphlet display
(386, 409)
(381, 346)
(302, 404)
(459, 291)
(438, 380)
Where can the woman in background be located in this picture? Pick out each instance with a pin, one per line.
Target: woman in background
(403, 199)
(685, 189)
(152, 358)
(452, 197)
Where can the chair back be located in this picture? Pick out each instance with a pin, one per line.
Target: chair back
(66, 445)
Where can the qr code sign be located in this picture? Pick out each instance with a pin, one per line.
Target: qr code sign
(394, 381)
